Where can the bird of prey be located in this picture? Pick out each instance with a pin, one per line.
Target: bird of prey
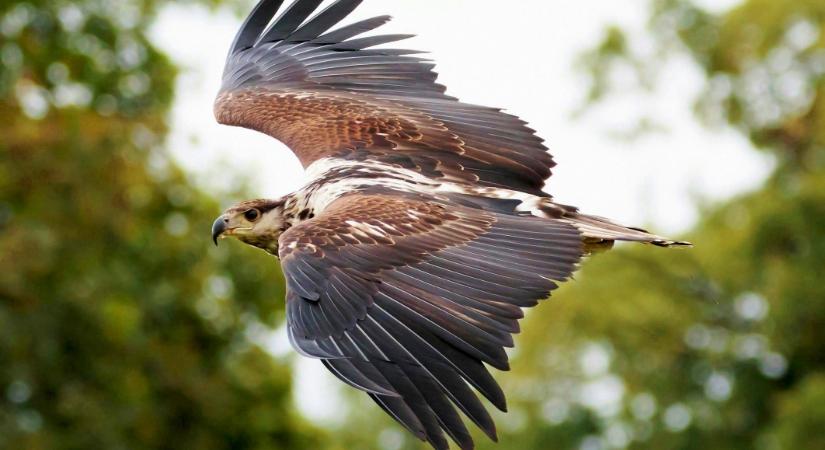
(422, 231)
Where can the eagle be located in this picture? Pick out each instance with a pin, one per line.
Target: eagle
(422, 231)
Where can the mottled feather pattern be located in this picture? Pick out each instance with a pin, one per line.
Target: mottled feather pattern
(323, 96)
(314, 124)
(423, 291)
(389, 223)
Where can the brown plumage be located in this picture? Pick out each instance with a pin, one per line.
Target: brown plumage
(406, 299)
(324, 97)
(423, 230)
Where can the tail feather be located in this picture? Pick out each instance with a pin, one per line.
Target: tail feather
(598, 230)
(599, 233)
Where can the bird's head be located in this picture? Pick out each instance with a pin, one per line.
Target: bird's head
(255, 222)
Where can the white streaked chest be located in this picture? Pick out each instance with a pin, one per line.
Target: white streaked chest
(328, 179)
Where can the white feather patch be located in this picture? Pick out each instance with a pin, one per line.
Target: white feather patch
(403, 180)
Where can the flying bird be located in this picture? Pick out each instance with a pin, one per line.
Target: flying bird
(422, 231)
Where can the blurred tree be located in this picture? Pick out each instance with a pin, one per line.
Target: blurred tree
(120, 327)
(720, 346)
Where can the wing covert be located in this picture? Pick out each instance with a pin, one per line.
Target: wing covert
(333, 94)
(407, 300)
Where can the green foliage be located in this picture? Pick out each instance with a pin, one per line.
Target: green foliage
(800, 418)
(120, 325)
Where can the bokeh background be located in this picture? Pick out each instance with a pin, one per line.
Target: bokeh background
(121, 327)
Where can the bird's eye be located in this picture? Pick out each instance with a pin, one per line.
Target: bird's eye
(252, 215)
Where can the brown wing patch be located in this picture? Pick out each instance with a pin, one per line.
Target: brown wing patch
(331, 95)
(408, 299)
(320, 124)
(395, 222)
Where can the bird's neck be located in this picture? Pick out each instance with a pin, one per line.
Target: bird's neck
(297, 208)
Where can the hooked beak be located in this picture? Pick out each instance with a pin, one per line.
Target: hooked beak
(218, 228)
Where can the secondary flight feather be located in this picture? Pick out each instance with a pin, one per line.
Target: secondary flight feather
(423, 230)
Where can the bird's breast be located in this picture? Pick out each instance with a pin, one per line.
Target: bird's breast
(332, 178)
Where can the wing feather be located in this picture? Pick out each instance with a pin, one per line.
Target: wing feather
(359, 375)
(325, 20)
(444, 370)
(254, 24)
(352, 30)
(403, 301)
(417, 381)
(289, 20)
(333, 94)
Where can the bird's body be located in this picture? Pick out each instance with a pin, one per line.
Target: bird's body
(422, 230)
(332, 178)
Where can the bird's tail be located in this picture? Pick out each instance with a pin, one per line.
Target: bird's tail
(600, 232)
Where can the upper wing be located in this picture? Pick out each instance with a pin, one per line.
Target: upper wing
(331, 94)
(407, 299)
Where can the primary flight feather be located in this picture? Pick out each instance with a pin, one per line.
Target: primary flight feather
(423, 229)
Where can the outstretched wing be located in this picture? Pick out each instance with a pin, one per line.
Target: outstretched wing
(331, 94)
(408, 299)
